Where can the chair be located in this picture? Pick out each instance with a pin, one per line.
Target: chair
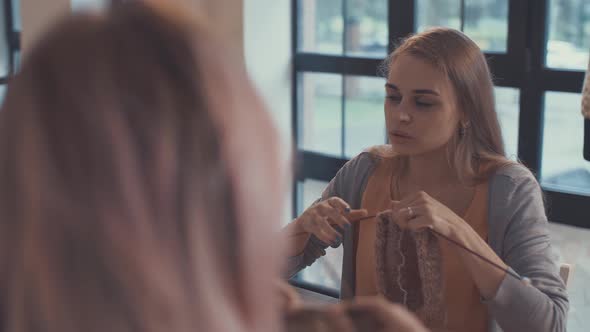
(565, 272)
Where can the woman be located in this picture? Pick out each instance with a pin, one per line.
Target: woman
(444, 170)
(134, 158)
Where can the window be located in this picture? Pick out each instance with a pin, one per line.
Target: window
(485, 21)
(341, 115)
(564, 168)
(4, 46)
(9, 42)
(569, 34)
(507, 101)
(537, 51)
(322, 109)
(363, 114)
(350, 27)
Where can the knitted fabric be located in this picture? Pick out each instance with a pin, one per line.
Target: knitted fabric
(409, 270)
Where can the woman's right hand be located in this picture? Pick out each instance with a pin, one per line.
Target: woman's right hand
(322, 219)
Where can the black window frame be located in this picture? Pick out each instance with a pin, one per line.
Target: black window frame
(522, 66)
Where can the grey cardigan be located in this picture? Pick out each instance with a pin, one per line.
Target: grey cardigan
(517, 231)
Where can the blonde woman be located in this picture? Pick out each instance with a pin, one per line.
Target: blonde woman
(444, 177)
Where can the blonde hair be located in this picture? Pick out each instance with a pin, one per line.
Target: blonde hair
(125, 206)
(463, 63)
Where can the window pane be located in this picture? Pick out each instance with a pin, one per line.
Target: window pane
(2, 92)
(563, 165)
(366, 28)
(17, 27)
(364, 117)
(431, 13)
(569, 34)
(89, 5)
(320, 26)
(320, 111)
(507, 107)
(326, 271)
(486, 22)
(4, 48)
(16, 15)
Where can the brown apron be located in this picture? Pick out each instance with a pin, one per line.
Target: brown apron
(435, 284)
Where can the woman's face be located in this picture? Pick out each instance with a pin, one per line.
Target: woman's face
(420, 110)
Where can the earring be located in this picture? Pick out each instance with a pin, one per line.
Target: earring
(463, 129)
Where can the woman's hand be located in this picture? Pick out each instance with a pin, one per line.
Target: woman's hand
(321, 218)
(377, 314)
(289, 298)
(420, 211)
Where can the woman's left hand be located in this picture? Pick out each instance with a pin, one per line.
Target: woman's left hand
(420, 211)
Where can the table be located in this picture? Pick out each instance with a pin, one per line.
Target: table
(309, 297)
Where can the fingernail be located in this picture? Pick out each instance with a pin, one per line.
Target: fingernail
(347, 210)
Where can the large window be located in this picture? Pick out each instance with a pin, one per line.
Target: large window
(9, 41)
(537, 51)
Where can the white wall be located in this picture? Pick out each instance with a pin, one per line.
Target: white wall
(267, 48)
(37, 16)
(78, 5)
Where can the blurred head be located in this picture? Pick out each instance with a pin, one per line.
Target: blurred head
(439, 95)
(138, 182)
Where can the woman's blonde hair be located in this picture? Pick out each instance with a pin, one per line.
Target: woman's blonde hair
(462, 62)
(122, 207)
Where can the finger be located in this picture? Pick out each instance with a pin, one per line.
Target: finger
(420, 223)
(334, 215)
(394, 205)
(318, 229)
(374, 304)
(343, 211)
(328, 210)
(339, 204)
(338, 219)
(412, 199)
(289, 297)
(339, 318)
(409, 212)
(400, 217)
(329, 231)
(324, 237)
(339, 225)
(355, 215)
(314, 219)
(335, 243)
